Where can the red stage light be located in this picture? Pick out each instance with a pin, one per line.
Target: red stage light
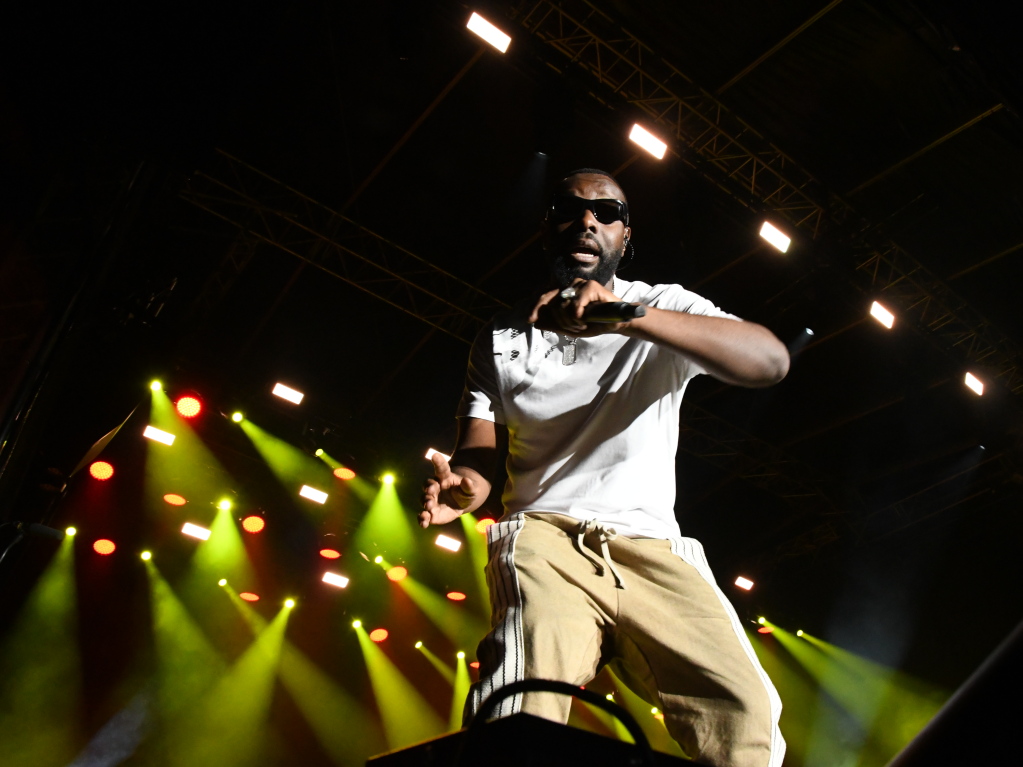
(397, 573)
(456, 596)
(474, 664)
(330, 553)
(483, 524)
(343, 472)
(104, 546)
(188, 406)
(378, 635)
(248, 596)
(174, 499)
(101, 470)
(765, 630)
(253, 523)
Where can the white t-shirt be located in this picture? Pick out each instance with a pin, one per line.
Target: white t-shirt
(595, 439)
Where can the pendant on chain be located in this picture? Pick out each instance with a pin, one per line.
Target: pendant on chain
(568, 355)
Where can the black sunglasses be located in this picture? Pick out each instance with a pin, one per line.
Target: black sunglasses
(568, 207)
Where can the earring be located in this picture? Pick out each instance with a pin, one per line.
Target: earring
(628, 257)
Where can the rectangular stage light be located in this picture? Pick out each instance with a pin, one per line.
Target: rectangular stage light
(335, 580)
(195, 531)
(491, 34)
(313, 494)
(974, 383)
(451, 544)
(648, 141)
(744, 583)
(882, 315)
(158, 435)
(431, 452)
(286, 392)
(775, 236)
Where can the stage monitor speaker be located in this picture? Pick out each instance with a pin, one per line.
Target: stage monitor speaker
(523, 740)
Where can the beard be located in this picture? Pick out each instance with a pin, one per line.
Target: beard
(565, 270)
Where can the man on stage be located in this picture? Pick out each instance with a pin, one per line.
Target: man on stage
(588, 565)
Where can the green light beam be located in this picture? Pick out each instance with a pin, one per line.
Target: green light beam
(443, 668)
(406, 716)
(655, 730)
(890, 706)
(387, 527)
(186, 663)
(458, 695)
(462, 628)
(477, 544)
(224, 555)
(41, 670)
(187, 467)
(229, 725)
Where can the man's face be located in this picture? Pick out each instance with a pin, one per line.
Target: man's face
(584, 247)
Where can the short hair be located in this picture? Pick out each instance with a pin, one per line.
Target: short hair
(595, 172)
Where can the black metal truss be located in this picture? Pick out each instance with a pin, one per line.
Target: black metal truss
(745, 164)
(280, 216)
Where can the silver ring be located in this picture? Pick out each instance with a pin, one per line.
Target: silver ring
(569, 293)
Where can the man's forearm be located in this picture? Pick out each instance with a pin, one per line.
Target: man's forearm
(742, 353)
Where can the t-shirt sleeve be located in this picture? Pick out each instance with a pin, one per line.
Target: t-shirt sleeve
(678, 299)
(481, 398)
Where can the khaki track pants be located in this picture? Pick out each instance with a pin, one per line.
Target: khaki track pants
(670, 634)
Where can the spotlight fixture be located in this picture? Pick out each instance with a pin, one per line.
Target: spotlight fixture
(343, 472)
(195, 531)
(450, 544)
(188, 406)
(224, 504)
(378, 559)
(253, 524)
(378, 635)
(334, 579)
(474, 664)
(222, 582)
(328, 553)
(317, 496)
(765, 630)
(455, 596)
(799, 633)
(104, 547)
(460, 655)
(882, 315)
(418, 645)
(71, 532)
(248, 596)
(974, 383)
(356, 624)
(156, 386)
(289, 603)
(648, 141)
(174, 499)
(287, 393)
(318, 452)
(744, 583)
(146, 556)
(761, 620)
(158, 435)
(483, 524)
(431, 453)
(775, 236)
(237, 417)
(397, 573)
(101, 470)
(488, 32)
(388, 479)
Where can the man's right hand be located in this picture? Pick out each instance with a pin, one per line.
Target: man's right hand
(447, 495)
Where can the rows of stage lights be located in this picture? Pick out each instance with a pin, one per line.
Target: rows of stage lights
(189, 406)
(657, 148)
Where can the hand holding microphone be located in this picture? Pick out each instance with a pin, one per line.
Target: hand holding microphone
(609, 312)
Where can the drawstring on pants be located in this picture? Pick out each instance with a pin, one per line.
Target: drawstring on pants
(605, 534)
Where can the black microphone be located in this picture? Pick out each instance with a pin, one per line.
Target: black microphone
(613, 311)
